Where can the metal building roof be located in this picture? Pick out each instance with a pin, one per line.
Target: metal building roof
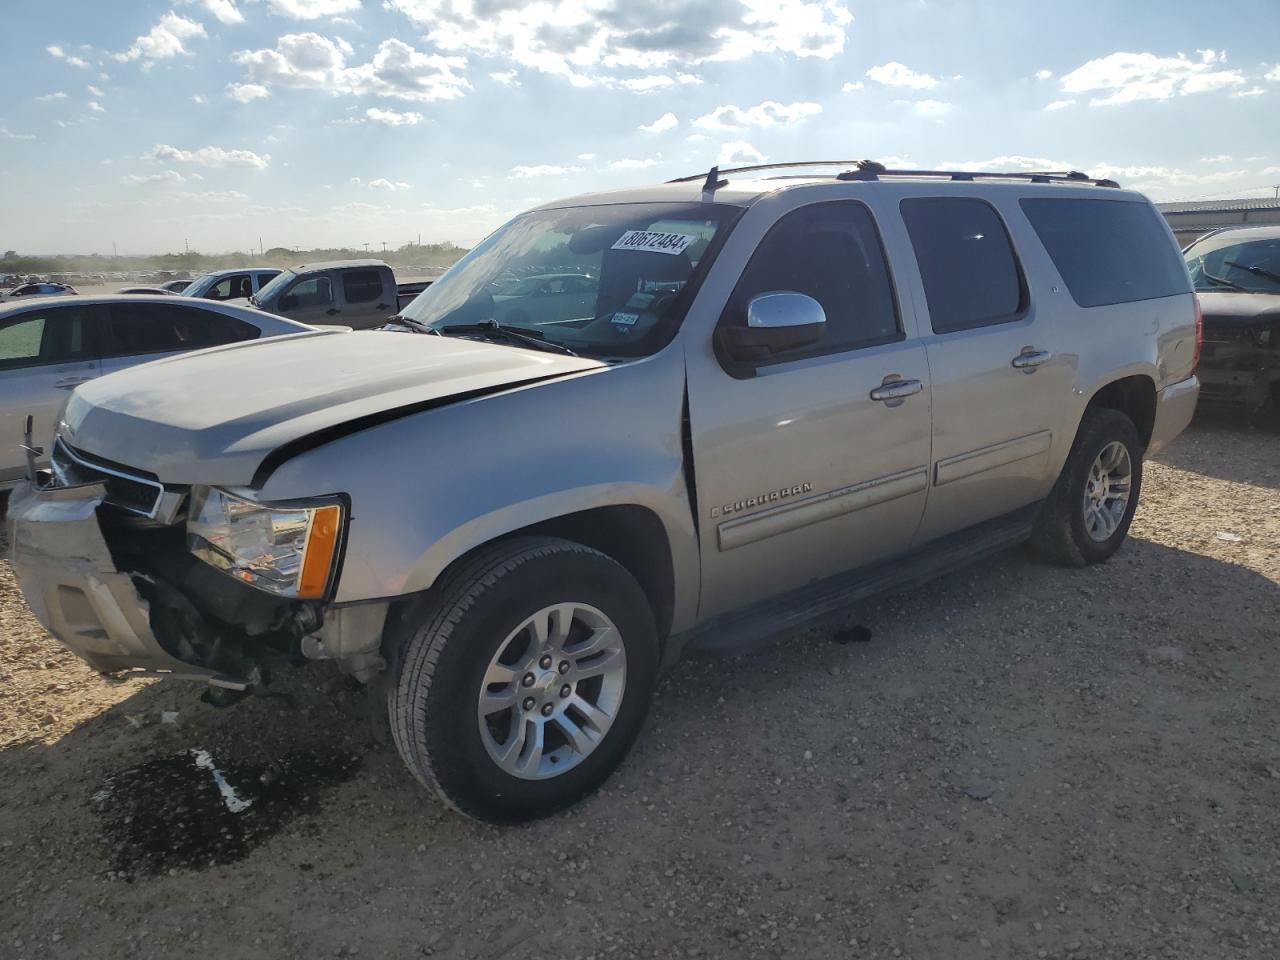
(1218, 206)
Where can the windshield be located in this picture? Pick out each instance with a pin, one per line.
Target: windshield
(1223, 263)
(198, 285)
(611, 280)
(278, 283)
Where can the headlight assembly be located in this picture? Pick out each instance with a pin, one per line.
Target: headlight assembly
(290, 551)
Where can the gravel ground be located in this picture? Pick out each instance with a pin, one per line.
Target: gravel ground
(1022, 761)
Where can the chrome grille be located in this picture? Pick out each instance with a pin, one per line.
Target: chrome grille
(130, 491)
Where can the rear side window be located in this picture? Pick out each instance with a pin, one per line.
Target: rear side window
(46, 336)
(970, 274)
(831, 252)
(1108, 251)
(361, 286)
(311, 292)
(137, 329)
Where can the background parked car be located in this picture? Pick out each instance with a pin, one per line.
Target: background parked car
(175, 286)
(230, 284)
(49, 347)
(357, 293)
(1237, 277)
(43, 290)
(150, 291)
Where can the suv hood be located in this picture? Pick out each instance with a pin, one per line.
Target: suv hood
(212, 416)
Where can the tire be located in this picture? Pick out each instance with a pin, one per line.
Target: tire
(481, 622)
(1062, 530)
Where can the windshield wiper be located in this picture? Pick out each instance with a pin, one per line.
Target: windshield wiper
(1223, 282)
(1256, 271)
(489, 328)
(412, 324)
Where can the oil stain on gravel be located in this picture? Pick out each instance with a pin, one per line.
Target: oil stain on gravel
(190, 811)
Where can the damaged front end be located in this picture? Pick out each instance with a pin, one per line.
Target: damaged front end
(136, 576)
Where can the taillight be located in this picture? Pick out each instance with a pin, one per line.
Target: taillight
(1195, 359)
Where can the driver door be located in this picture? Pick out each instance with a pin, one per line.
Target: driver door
(310, 300)
(805, 467)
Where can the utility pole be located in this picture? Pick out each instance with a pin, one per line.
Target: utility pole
(366, 247)
(1276, 188)
(260, 246)
(384, 246)
(185, 245)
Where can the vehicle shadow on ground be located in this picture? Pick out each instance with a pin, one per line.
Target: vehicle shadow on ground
(130, 783)
(1221, 445)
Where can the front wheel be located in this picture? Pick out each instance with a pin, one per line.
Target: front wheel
(525, 680)
(1087, 515)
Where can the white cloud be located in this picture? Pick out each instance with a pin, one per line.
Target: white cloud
(247, 92)
(96, 91)
(224, 11)
(8, 134)
(853, 85)
(96, 107)
(542, 170)
(505, 77)
(1273, 74)
(164, 176)
(209, 157)
(382, 183)
(894, 74)
(393, 119)
(767, 114)
(56, 95)
(586, 156)
(312, 9)
(739, 152)
(1130, 77)
(166, 39)
(1251, 92)
(1220, 158)
(1008, 163)
(197, 98)
(1043, 74)
(56, 51)
(664, 123)
(1059, 104)
(396, 69)
(589, 42)
(927, 108)
(627, 163)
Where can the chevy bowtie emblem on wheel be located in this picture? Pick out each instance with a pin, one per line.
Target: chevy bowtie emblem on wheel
(773, 496)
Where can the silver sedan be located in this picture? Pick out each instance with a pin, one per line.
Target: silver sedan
(50, 345)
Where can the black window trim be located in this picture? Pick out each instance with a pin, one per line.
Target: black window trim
(744, 371)
(93, 351)
(1024, 289)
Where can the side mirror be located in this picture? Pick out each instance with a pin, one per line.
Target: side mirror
(776, 322)
(288, 303)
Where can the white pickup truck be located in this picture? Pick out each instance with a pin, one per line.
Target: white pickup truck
(354, 293)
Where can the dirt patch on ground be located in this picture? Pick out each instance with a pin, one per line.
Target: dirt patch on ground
(1022, 761)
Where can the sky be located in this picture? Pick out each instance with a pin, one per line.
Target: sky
(219, 124)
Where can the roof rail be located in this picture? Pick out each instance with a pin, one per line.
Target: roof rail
(869, 170)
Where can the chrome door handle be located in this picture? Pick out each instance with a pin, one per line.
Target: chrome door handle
(1030, 359)
(70, 383)
(892, 390)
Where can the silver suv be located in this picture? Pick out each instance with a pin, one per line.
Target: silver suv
(785, 393)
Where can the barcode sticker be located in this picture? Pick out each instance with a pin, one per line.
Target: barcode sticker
(672, 243)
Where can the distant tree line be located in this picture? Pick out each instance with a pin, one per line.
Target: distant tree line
(410, 255)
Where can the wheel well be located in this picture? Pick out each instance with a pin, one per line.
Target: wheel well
(631, 535)
(1135, 397)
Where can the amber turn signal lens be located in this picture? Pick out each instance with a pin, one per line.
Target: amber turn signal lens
(317, 559)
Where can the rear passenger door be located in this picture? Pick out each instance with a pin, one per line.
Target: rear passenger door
(45, 353)
(801, 472)
(365, 303)
(1000, 382)
(137, 332)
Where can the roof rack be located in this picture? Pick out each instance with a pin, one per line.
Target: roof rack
(868, 170)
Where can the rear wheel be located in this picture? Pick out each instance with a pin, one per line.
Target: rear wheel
(1087, 515)
(525, 680)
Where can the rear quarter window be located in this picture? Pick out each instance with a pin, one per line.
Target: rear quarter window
(1108, 251)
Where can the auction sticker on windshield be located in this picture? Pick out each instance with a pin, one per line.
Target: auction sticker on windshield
(673, 243)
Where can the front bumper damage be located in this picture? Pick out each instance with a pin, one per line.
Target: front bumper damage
(124, 600)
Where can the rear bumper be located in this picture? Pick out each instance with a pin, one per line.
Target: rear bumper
(66, 574)
(1175, 405)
